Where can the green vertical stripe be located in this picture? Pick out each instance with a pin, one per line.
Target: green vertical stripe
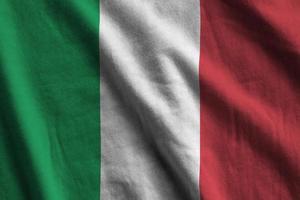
(49, 100)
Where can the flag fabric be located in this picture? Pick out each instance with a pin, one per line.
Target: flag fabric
(149, 100)
(49, 127)
(250, 103)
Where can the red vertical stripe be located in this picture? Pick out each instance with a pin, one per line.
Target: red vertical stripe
(250, 99)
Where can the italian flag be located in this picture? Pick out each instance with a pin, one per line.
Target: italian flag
(149, 100)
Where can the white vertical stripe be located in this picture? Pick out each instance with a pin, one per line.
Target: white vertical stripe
(149, 55)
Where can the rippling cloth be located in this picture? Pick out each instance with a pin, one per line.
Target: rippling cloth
(49, 100)
(250, 100)
(65, 62)
(149, 100)
(149, 57)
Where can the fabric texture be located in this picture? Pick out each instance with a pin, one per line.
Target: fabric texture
(250, 103)
(49, 100)
(149, 57)
(111, 100)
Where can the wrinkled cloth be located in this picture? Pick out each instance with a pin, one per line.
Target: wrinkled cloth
(149, 58)
(250, 103)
